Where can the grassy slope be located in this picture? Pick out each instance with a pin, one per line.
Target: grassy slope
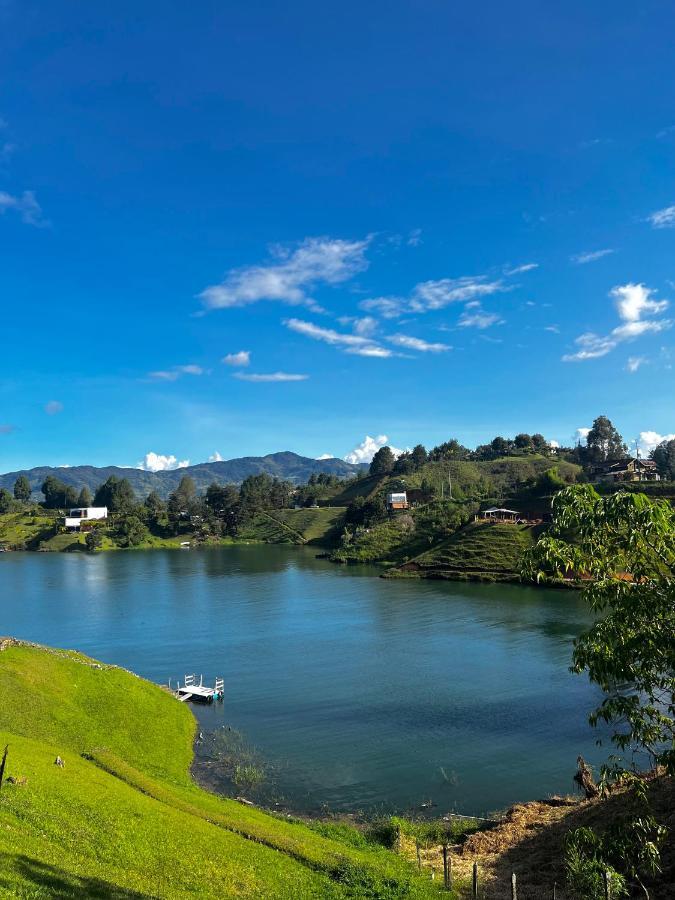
(114, 821)
(476, 550)
(295, 526)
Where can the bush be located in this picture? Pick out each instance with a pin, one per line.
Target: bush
(584, 867)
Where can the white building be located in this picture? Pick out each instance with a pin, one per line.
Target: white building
(397, 500)
(84, 514)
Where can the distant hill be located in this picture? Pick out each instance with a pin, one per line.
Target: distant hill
(286, 465)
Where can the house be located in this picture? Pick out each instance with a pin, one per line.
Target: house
(79, 519)
(629, 469)
(498, 514)
(397, 500)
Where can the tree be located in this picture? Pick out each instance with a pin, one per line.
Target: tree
(624, 546)
(6, 501)
(664, 457)
(540, 444)
(22, 489)
(117, 494)
(57, 494)
(419, 456)
(383, 462)
(85, 497)
(604, 442)
(93, 539)
(523, 441)
(132, 532)
(451, 449)
(180, 505)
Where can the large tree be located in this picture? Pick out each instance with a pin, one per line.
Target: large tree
(117, 494)
(84, 498)
(383, 462)
(664, 457)
(57, 494)
(603, 442)
(22, 489)
(624, 547)
(6, 501)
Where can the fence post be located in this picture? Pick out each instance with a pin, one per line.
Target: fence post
(555, 885)
(474, 882)
(606, 883)
(446, 878)
(397, 841)
(419, 858)
(514, 887)
(3, 764)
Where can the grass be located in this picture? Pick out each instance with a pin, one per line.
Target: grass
(23, 529)
(123, 817)
(478, 550)
(295, 526)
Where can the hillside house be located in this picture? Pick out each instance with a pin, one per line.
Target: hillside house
(79, 519)
(498, 514)
(630, 469)
(398, 500)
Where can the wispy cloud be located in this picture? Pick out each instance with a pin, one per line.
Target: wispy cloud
(269, 376)
(665, 132)
(6, 428)
(175, 373)
(414, 237)
(555, 329)
(634, 363)
(157, 462)
(25, 206)
(580, 259)
(291, 274)
(633, 302)
(663, 218)
(215, 457)
(241, 358)
(53, 408)
(428, 296)
(414, 343)
(358, 344)
(479, 319)
(519, 270)
(366, 450)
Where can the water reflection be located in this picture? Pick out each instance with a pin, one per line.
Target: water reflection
(358, 691)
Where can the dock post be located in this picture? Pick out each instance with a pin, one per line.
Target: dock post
(474, 882)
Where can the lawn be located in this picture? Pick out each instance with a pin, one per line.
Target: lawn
(123, 819)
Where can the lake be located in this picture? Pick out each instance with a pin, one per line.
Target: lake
(357, 693)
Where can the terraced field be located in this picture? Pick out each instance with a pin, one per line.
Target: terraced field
(476, 550)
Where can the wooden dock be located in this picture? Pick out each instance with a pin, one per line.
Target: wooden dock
(198, 691)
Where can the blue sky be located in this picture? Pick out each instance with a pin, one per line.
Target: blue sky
(239, 228)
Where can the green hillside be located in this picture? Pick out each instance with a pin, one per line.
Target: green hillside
(295, 526)
(476, 551)
(122, 818)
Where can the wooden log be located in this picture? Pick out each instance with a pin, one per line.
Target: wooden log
(514, 887)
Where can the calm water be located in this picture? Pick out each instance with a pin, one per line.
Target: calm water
(360, 693)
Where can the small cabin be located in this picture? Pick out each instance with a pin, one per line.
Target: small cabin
(78, 519)
(397, 500)
(499, 514)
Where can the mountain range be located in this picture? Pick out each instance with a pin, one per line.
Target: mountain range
(286, 465)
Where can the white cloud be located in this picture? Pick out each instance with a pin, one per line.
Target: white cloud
(632, 301)
(428, 296)
(414, 237)
(53, 407)
(157, 462)
(580, 259)
(215, 457)
(366, 450)
(648, 440)
(414, 343)
(176, 372)
(290, 274)
(269, 376)
(241, 358)
(26, 206)
(553, 328)
(634, 363)
(663, 218)
(581, 434)
(326, 456)
(479, 320)
(358, 344)
(554, 444)
(518, 270)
